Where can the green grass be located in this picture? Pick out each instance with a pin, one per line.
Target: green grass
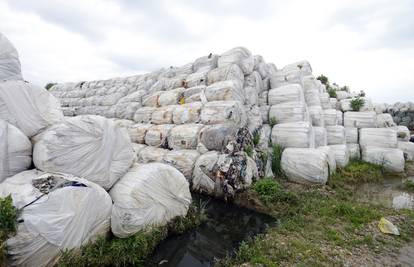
(256, 138)
(332, 92)
(272, 122)
(321, 227)
(249, 150)
(134, 250)
(270, 192)
(408, 185)
(8, 219)
(276, 157)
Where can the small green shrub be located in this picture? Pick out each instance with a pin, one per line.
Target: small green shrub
(272, 122)
(357, 103)
(270, 191)
(49, 85)
(8, 219)
(324, 80)
(408, 185)
(249, 150)
(357, 172)
(332, 92)
(256, 138)
(276, 157)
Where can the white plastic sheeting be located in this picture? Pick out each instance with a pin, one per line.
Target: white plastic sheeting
(89, 146)
(182, 160)
(289, 112)
(408, 149)
(157, 135)
(336, 135)
(312, 98)
(385, 120)
(148, 195)
(15, 151)
(367, 119)
(321, 136)
(184, 136)
(229, 72)
(379, 137)
(330, 154)
(187, 113)
(354, 151)
(341, 155)
(151, 154)
(138, 131)
(163, 115)
(240, 56)
(317, 116)
(66, 214)
(216, 137)
(29, 108)
(330, 117)
(225, 90)
(294, 134)
(392, 159)
(287, 93)
(305, 165)
(9, 61)
(222, 112)
(352, 136)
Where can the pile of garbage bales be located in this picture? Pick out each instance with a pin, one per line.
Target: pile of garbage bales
(73, 179)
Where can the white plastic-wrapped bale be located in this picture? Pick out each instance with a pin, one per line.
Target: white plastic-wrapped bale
(341, 155)
(222, 112)
(138, 131)
(311, 83)
(157, 135)
(30, 108)
(187, 113)
(15, 150)
(255, 81)
(351, 135)
(196, 79)
(240, 56)
(379, 137)
(58, 212)
(260, 66)
(408, 149)
(216, 137)
(195, 94)
(380, 108)
(294, 134)
(184, 136)
(137, 150)
(89, 146)
(250, 96)
(334, 103)
(289, 112)
(305, 165)
(126, 110)
(325, 100)
(171, 97)
(143, 115)
(9, 61)
(385, 120)
(317, 116)
(283, 77)
(354, 151)
(148, 195)
(403, 133)
(163, 115)
(321, 136)
(225, 90)
(182, 160)
(205, 63)
(302, 65)
(367, 119)
(342, 95)
(263, 98)
(287, 93)
(151, 154)
(264, 111)
(173, 83)
(392, 159)
(312, 98)
(230, 72)
(151, 100)
(330, 117)
(340, 117)
(222, 175)
(254, 118)
(330, 154)
(336, 135)
(264, 137)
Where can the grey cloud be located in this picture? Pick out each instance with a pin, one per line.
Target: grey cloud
(398, 31)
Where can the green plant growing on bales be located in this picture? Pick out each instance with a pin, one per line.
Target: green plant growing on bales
(270, 192)
(49, 85)
(408, 185)
(256, 138)
(357, 103)
(133, 250)
(8, 219)
(332, 92)
(276, 157)
(249, 150)
(324, 80)
(272, 122)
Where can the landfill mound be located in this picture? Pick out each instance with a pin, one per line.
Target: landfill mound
(215, 119)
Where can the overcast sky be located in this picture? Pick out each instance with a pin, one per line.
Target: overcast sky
(368, 45)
